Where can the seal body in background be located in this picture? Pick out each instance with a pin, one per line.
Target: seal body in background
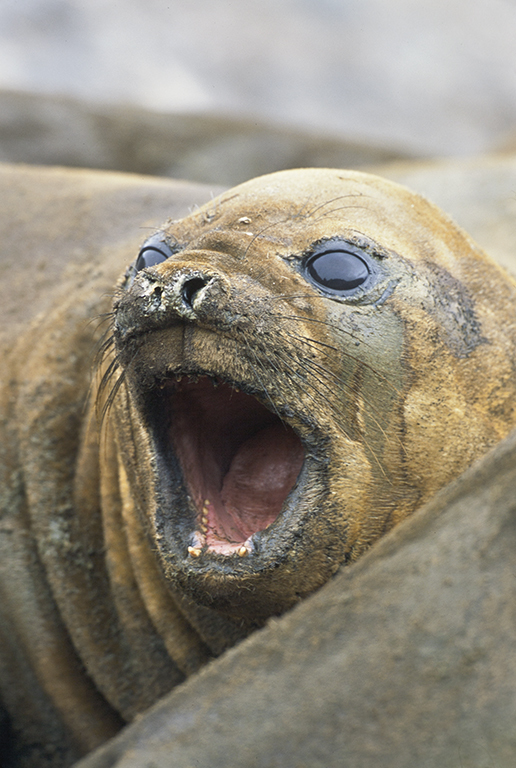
(286, 374)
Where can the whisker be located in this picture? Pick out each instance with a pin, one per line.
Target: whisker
(100, 318)
(338, 415)
(291, 296)
(315, 320)
(300, 214)
(346, 333)
(106, 377)
(307, 383)
(111, 397)
(339, 380)
(103, 346)
(264, 388)
(314, 344)
(261, 232)
(332, 200)
(328, 214)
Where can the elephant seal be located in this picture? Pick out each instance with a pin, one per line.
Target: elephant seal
(286, 374)
(299, 365)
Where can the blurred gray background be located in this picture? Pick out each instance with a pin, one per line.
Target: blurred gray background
(285, 79)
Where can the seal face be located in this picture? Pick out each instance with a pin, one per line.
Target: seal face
(297, 366)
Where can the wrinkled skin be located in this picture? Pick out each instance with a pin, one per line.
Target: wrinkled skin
(387, 394)
(402, 660)
(393, 390)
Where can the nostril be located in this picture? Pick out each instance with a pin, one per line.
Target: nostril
(191, 287)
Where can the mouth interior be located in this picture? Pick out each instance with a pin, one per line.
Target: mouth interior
(239, 461)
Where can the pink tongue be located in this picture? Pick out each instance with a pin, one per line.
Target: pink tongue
(261, 475)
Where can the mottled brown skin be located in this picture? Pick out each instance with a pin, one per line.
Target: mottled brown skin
(393, 392)
(403, 659)
(65, 237)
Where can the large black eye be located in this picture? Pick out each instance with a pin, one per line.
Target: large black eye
(337, 271)
(153, 252)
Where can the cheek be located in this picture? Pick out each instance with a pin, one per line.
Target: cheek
(352, 483)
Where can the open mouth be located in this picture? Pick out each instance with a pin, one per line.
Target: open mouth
(239, 462)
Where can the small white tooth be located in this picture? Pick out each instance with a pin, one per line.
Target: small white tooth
(243, 552)
(194, 551)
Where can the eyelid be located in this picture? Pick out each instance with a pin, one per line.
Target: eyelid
(152, 261)
(157, 245)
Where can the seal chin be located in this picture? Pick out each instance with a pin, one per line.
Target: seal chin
(239, 462)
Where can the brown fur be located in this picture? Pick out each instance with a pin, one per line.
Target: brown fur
(395, 396)
(404, 659)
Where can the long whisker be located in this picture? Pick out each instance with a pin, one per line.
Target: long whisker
(346, 333)
(300, 214)
(111, 397)
(100, 319)
(262, 385)
(310, 213)
(328, 214)
(314, 344)
(104, 345)
(328, 374)
(306, 383)
(261, 232)
(302, 319)
(337, 414)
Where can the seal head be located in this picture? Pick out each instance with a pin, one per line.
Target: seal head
(293, 369)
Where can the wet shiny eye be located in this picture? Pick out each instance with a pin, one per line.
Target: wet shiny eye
(153, 252)
(337, 271)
